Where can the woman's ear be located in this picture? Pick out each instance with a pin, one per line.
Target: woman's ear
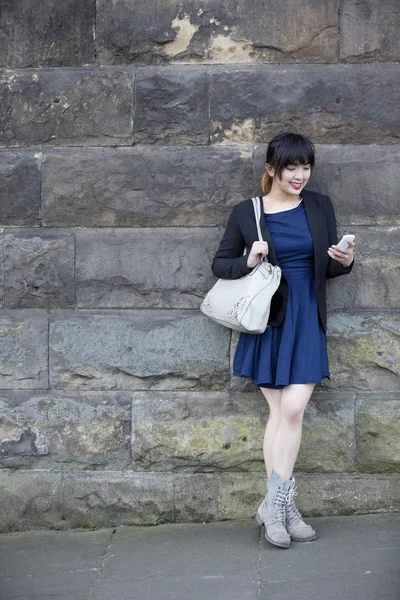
(269, 169)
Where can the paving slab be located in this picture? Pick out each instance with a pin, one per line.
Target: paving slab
(353, 558)
(51, 564)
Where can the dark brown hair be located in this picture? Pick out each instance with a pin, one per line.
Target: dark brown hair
(287, 149)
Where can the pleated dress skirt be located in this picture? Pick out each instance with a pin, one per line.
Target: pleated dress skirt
(296, 351)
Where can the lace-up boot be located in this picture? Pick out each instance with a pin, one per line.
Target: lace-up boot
(272, 511)
(297, 529)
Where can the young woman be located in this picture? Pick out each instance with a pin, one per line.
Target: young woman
(286, 361)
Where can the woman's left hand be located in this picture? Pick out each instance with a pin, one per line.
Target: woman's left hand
(343, 255)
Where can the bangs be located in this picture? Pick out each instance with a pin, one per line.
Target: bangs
(290, 149)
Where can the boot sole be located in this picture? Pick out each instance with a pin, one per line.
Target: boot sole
(309, 539)
(261, 522)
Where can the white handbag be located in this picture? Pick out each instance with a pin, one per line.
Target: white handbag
(244, 304)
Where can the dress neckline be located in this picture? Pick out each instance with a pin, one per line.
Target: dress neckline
(286, 210)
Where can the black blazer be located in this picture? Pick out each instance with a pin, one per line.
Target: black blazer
(241, 232)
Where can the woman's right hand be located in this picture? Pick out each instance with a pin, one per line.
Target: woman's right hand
(257, 252)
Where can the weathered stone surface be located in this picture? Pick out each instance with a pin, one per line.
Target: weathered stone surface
(20, 187)
(66, 106)
(144, 268)
(139, 350)
(361, 195)
(39, 268)
(378, 433)
(208, 497)
(144, 187)
(322, 495)
(1, 267)
(58, 430)
(329, 103)
(46, 33)
(238, 384)
(369, 30)
(364, 351)
(216, 431)
(136, 31)
(197, 431)
(328, 441)
(28, 499)
(23, 350)
(374, 281)
(214, 497)
(37, 499)
(172, 106)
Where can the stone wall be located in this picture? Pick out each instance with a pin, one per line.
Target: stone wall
(128, 130)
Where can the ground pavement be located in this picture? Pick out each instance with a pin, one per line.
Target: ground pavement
(354, 558)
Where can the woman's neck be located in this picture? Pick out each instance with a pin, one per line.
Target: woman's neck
(277, 200)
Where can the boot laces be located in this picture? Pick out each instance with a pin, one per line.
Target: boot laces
(292, 510)
(279, 505)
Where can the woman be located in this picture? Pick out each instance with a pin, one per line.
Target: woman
(290, 357)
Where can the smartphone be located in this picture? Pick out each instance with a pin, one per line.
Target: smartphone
(344, 240)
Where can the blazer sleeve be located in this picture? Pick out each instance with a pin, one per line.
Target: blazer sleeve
(229, 262)
(335, 268)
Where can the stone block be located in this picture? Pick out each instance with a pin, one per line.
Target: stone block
(172, 106)
(137, 31)
(328, 103)
(39, 268)
(1, 268)
(67, 106)
(374, 281)
(363, 351)
(378, 433)
(38, 499)
(20, 187)
(144, 268)
(29, 499)
(369, 31)
(33, 499)
(115, 498)
(361, 195)
(222, 496)
(216, 431)
(238, 384)
(137, 350)
(144, 187)
(328, 439)
(322, 495)
(62, 431)
(207, 497)
(23, 350)
(197, 431)
(47, 33)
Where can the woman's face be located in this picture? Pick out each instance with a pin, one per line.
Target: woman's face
(293, 179)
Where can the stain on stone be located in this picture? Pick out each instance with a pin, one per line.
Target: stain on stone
(25, 446)
(224, 49)
(186, 31)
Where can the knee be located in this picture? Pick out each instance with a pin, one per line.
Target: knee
(292, 416)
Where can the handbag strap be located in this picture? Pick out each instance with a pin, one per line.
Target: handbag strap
(257, 213)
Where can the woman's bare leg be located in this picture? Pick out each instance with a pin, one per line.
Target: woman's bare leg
(287, 438)
(273, 397)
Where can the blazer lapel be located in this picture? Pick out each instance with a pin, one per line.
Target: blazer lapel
(312, 218)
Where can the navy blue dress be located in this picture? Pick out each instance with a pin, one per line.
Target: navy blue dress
(296, 351)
